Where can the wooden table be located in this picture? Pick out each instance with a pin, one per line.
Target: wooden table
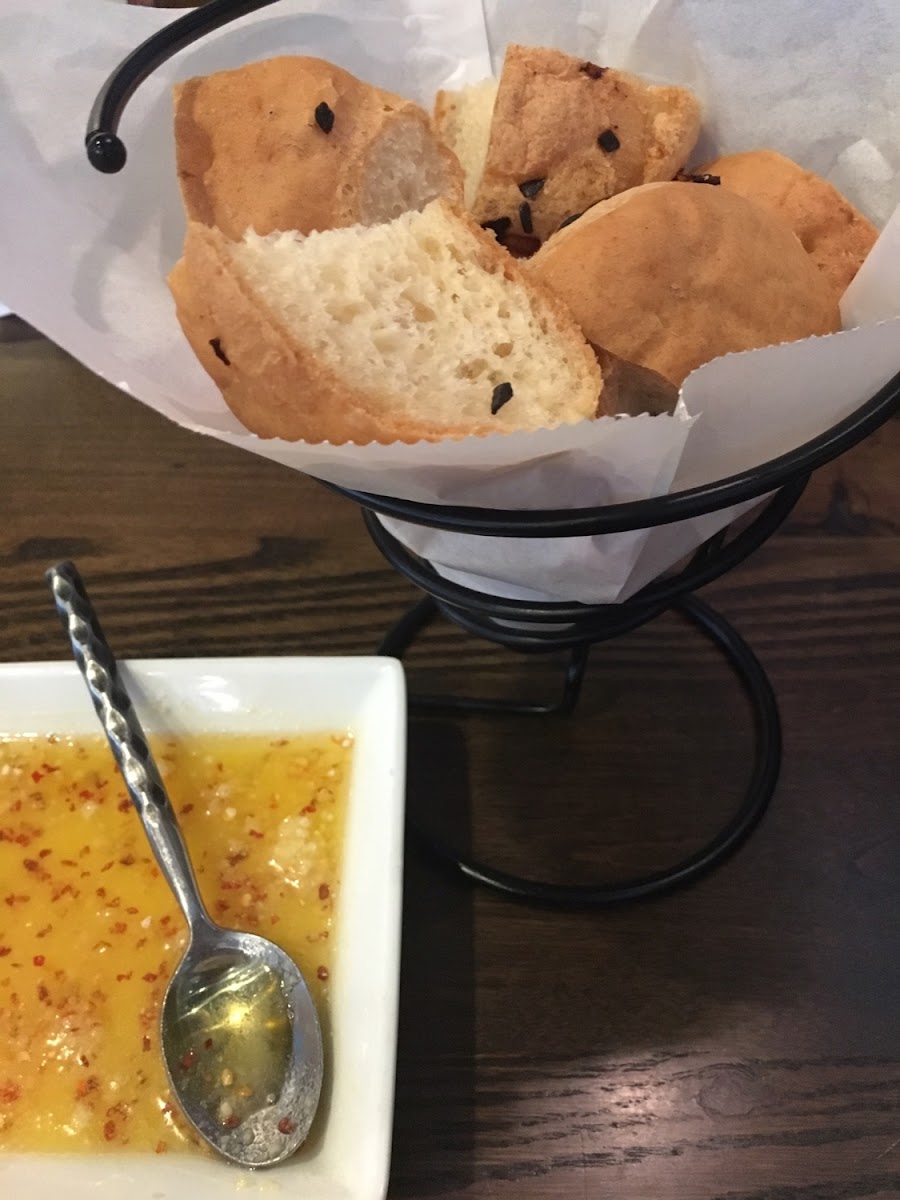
(740, 1039)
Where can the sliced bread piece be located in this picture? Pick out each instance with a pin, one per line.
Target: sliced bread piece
(423, 328)
(566, 134)
(297, 143)
(630, 389)
(836, 236)
(671, 275)
(463, 121)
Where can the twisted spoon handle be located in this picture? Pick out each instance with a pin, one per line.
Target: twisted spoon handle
(126, 738)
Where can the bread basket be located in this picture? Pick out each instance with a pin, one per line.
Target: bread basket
(533, 627)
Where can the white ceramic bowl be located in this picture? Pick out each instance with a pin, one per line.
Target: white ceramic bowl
(262, 695)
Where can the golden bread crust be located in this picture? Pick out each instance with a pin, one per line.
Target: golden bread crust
(550, 114)
(671, 275)
(251, 154)
(835, 235)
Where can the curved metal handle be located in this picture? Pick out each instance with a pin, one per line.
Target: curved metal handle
(126, 737)
(105, 150)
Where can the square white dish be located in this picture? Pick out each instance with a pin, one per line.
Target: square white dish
(351, 1157)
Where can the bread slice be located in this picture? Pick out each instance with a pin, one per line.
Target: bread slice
(671, 275)
(297, 143)
(566, 134)
(630, 389)
(836, 236)
(463, 122)
(423, 328)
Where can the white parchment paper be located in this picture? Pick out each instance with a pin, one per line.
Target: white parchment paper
(83, 257)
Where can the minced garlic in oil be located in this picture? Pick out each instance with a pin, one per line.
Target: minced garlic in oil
(90, 933)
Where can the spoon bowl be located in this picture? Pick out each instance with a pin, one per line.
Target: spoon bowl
(238, 1027)
(242, 1045)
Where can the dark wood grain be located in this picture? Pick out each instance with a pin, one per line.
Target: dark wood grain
(738, 1040)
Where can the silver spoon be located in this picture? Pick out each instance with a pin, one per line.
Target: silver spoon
(239, 1030)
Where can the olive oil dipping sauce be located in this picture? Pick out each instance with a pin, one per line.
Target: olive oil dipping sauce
(90, 933)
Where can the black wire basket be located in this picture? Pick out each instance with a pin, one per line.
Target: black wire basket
(532, 627)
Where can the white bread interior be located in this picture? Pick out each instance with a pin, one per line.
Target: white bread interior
(463, 120)
(401, 331)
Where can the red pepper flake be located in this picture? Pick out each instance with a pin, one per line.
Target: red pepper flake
(9, 1092)
(232, 1122)
(38, 960)
(109, 1130)
(131, 909)
(47, 769)
(37, 776)
(274, 919)
(101, 783)
(128, 860)
(22, 839)
(162, 1148)
(322, 973)
(236, 857)
(186, 808)
(166, 1110)
(324, 891)
(222, 906)
(119, 927)
(208, 1044)
(101, 892)
(42, 992)
(124, 805)
(86, 794)
(150, 977)
(4, 950)
(254, 833)
(286, 1125)
(43, 853)
(86, 1086)
(145, 1043)
(188, 1060)
(310, 808)
(231, 885)
(30, 864)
